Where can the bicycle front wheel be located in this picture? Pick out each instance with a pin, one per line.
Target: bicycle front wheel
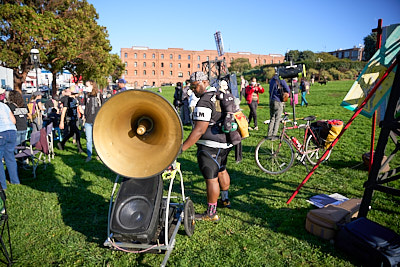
(274, 157)
(313, 152)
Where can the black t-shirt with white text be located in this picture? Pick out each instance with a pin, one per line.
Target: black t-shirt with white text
(20, 115)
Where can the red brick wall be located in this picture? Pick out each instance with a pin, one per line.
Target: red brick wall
(144, 65)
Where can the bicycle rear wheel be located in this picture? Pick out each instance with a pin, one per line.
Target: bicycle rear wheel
(314, 152)
(274, 157)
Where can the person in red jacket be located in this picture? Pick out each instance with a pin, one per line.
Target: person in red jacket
(252, 91)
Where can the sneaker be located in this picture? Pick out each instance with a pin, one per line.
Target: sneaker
(206, 217)
(251, 129)
(256, 128)
(88, 159)
(60, 146)
(225, 203)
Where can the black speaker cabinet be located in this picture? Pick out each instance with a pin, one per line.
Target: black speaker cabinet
(290, 72)
(136, 210)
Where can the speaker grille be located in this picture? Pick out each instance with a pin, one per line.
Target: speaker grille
(134, 213)
(136, 210)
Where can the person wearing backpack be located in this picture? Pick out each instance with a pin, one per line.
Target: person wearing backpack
(212, 145)
(277, 88)
(93, 104)
(36, 109)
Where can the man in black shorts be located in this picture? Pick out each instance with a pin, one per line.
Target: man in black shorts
(212, 145)
(68, 119)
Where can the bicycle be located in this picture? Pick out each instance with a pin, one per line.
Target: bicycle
(276, 155)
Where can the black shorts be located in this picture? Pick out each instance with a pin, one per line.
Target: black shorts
(211, 160)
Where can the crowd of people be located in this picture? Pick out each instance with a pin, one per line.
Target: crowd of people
(74, 111)
(71, 112)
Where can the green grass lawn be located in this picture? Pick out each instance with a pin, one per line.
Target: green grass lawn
(60, 218)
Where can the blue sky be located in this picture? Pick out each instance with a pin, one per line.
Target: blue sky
(256, 26)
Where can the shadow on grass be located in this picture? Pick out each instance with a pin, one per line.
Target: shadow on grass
(257, 200)
(81, 209)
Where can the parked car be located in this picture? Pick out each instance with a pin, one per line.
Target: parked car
(29, 89)
(7, 87)
(167, 84)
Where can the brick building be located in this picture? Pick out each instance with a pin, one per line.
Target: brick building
(154, 67)
(355, 53)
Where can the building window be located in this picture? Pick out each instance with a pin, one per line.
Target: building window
(272, 61)
(135, 56)
(162, 73)
(189, 65)
(162, 64)
(170, 56)
(144, 55)
(153, 64)
(135, 72)
(170, 65)
(170, 73)
(135, 64)
(144, 72)
(153, 55)
(154, 72)
(265, 61)
(198, 58)
(179, 65)
(126, 72)
(126, 55)
(126, 64)
(198, 66)
(162, 56)
(144, 64)
(347, 54)
(255, 61)
(208, 58)
(179, 56)
(189, 57)
(188, 73)
(180, 74)
(231, 59)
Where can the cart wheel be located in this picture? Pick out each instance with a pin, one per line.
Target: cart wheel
(188, 219)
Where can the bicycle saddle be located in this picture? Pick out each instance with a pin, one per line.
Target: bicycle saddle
(310, 118)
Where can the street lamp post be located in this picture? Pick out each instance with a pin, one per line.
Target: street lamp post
(35, 59)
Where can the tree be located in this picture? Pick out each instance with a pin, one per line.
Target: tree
(307, 55)
(370, 45)
(240, 65)
(22, 29)
(324, 56)
(292, 55)
(66, 34)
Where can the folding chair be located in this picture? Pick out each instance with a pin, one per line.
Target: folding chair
(31, 153)
(50, 140)
(5, 239)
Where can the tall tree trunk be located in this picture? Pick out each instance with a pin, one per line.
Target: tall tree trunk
(54, 83)
(19, 78)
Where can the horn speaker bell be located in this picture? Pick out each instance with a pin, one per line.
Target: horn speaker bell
(137, 133)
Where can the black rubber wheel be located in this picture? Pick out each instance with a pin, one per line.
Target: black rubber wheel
(314, 153)
(188, 217)
(274, 157)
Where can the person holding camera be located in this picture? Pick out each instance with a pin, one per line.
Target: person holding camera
(252, 91)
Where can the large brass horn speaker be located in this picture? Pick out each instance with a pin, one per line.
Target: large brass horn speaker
(137, 133)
